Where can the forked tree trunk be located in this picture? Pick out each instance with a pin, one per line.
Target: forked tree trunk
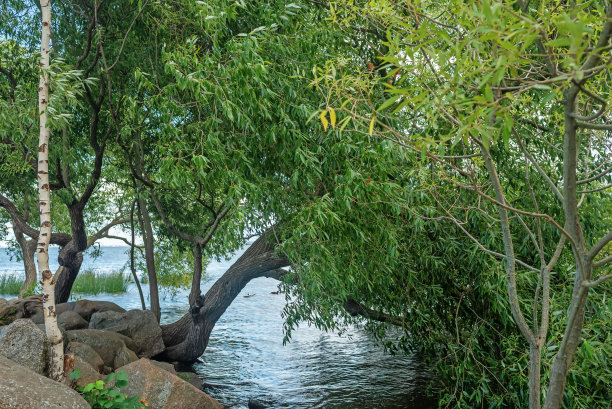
(186, 339)
(56, 350)
(71, 255)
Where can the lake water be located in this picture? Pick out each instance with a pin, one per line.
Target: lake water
(246, 358)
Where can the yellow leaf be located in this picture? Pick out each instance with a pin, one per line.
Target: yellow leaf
(324, 119)
(332, 117)
(372, 125)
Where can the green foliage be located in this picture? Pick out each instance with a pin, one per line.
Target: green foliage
(10, 284)
(323, 119)
(34, 288)
(447, 78)
(87, 282)
(90, 282)
(174, 267)
(185, 377)
(106, 394)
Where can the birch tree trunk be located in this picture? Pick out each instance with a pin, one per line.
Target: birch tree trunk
(56, 350)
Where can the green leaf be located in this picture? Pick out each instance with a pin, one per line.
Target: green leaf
(76, 374)
(389, 102)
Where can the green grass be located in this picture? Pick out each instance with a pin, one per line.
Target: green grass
(87, 282)
(10, 284)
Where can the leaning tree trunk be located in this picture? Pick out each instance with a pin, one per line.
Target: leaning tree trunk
(187, 338)
(56, 350)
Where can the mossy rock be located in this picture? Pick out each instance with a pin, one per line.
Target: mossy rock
(8, 314)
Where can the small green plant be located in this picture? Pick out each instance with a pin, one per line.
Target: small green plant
(185, 377)
(33, 289)
(106, 395)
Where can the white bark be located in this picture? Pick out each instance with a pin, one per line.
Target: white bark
(56, 353)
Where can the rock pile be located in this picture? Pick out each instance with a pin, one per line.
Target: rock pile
(100, 337)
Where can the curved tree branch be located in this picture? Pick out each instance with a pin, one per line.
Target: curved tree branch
(56, 238)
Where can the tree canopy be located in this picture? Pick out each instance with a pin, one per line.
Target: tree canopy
(436, 172)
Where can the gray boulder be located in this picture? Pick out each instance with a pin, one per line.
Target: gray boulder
(16, 308)
(87, 354)
(116, 350)
(88, 373)
(23, 388)
(257, 404)
(69, 320)
(192, 378)
(166, 366)
(163, 390)
(141, 326)
(24, 343)
(85, 308)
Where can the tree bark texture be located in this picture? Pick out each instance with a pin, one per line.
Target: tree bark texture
(56, 350)
(71, 256)
(147, 235)
(197, 274)
(186, 339)
(28, 248)
(132, 264)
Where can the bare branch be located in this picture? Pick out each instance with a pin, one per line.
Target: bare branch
(56, 238)
(603, 262)
(586, 125)
(604, 173)
(355, 308)
(598, 281)
(596, 189)
(103, 232)
(548, 180)
(599, 246)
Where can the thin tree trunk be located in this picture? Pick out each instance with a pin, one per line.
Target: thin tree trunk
(197, 274)
(535, 357)
(147, 235)
(56, 350)
(132, 267)
(186, 339)
(569, 345)
(28, 248)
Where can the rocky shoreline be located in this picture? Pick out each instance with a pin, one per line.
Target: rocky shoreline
(99, 338)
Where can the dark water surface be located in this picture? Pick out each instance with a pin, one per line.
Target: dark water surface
(246, 358)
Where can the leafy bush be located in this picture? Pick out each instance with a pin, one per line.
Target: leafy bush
(105, 394)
